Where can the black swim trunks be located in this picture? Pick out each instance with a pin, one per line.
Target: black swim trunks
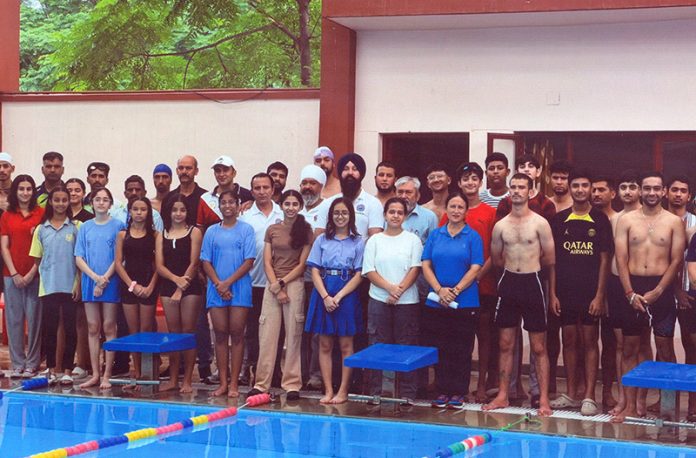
(521, 295)
(662, 315)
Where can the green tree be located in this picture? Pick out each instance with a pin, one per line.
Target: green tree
(155, 44)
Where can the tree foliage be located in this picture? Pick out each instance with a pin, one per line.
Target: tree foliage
(169, 44)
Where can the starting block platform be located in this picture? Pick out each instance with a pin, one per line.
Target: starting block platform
(391, 359)
(148, 344)
(669, 378)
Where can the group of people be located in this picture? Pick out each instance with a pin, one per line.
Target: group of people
(270, 269)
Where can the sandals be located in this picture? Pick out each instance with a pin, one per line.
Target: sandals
(563, 401)
(66, 380)
(589, 407)
(440, 402)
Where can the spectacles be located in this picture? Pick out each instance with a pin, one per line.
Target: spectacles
(435, 176)
(339, 213)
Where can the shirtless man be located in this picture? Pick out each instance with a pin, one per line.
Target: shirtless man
(6, 170)
(522, 243)
(650, 247)
(559, 183)
(629, 194)
(438, 181)
(324, 158)
(385, 176)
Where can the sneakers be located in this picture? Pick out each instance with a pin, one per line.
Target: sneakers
(255, 391)
(440, 402)
(16, 373)
(292, 396)
(456, 402)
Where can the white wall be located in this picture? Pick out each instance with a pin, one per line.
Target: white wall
(133, 136)
(637, 76)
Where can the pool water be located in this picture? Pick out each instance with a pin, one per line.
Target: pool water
(33, 423)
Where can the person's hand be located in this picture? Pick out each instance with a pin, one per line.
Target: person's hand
(684, 301)
(330, 303)
(98, 291)
(76, 293)
(638, 302)
(182, 282)
(245, 206)
(652, 296)
(18, 281)
(555, 305)
(102, 281)
(597, 306)
(275, 287)
(395, 291)
(283, 297)
(176, 297)
(446, 295)
(222, 288)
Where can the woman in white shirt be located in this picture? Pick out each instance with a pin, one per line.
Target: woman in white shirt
(392, 262)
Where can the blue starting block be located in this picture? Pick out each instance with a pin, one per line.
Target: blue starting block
(669, 378)
(391, 359)
(148, 344)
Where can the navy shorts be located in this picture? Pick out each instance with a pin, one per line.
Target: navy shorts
(661, 316)
(521, 296)
(574, 311)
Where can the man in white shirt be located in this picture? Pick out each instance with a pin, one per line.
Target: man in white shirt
(262, 214)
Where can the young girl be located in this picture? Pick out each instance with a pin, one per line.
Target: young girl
(76, 190)
(334, 308)
(177, 251)
(392, 263)
(285, 253)
(21, 282)
(53, 246)
(135, 264)
(94, 256)
(228, 253)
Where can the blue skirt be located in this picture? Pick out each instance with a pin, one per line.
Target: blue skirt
(346, 320)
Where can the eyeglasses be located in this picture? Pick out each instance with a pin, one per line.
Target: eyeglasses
(436, 176)
(340, 213)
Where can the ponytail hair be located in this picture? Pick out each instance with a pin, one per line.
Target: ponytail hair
(299, 235)
(149, 220)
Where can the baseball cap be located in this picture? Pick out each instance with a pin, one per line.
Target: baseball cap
(223, 160)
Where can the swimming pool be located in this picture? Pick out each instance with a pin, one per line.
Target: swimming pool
(33, 423)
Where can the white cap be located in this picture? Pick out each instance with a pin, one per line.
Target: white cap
(223, 160)
(323, 151)
(313, 172)
(6, 157)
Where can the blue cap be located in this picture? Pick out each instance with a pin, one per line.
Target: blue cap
(162, 168)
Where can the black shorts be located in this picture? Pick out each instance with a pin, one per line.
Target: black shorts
(574, 311)
(662, 315)
(521, 295)
(130, 298)
(687, 317)
(616, 302)
(487, 303)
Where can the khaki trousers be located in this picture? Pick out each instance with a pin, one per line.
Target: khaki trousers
(273, 315)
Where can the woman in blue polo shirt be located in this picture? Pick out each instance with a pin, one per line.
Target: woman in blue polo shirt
(452, 257)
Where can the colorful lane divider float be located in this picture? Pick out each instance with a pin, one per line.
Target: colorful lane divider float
(481, 439)
(149, 433)
(28, 385)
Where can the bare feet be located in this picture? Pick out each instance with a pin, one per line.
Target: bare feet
(232, 393)
(219, 392)
(481, 396)
(169, 385)
(339, 399)
(498, 403)
(618, 408)
(621, 416)
(640, 407)
(91, 382)
(655, 407)
(186, 388)
(105, 384)
(544, 409)
(327, 398)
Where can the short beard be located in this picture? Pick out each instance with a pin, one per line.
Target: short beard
(350, 187)
(309, 198)
(560, 194)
